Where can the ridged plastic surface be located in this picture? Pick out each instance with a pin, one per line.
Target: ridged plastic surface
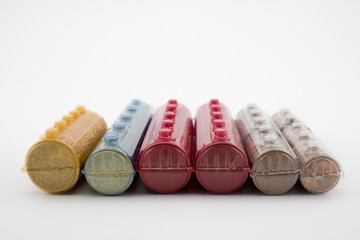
(221, 164)
(320, 171)
(275, 168)
(165, 160)
(110, 168)
(54, 162)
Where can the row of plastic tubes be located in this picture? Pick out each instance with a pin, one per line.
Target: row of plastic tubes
(165, 147)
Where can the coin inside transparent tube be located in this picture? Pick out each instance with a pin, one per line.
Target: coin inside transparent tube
(275, 168)
(110, 168)
(166, 156)
(320, 171)
(221, 163)
(54, 162)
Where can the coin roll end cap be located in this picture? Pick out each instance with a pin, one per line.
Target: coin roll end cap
(164, 176)
(101, 176)
(273, 177)
(320, 175)
(228, 177)
(54, 172)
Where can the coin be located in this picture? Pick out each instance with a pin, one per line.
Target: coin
(276, 172)
(320, 175)
(52, 166)
(109, 172)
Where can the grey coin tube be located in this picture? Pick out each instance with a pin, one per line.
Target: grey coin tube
(275, 168)
(110, 168)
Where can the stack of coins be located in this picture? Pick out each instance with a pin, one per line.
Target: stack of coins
(221, 163)
(165, 160)
(275, 168)
(166, 148)
(110, 169)
(54, 162)
(320, 172)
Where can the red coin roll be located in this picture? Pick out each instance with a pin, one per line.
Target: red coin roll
(165, 159)
(221, 162)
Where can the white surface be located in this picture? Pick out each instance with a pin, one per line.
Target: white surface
(55, 55)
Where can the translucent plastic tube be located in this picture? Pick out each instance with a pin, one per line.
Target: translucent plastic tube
(165, 160)
(275, 168)
(54, 162)
(110, 168)
(221, 164)
(320, 171)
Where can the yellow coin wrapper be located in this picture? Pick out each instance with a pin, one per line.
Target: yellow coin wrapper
(54, 162)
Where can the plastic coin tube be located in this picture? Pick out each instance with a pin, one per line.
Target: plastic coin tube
(109, 169)
(54, 162)
(275, 168)
(165, 160)
(221, 164)
(320, 171)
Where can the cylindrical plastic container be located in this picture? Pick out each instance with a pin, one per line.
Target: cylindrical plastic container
(221, 164)
(54, 162)
(275, 168)
(110, 168)
(165, 160)
(320, 171)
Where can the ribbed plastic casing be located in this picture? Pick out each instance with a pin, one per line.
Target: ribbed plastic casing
(221, 164)
(54, 162)
(320, 171)
(165, 160)
(110, 168)
(275, 168)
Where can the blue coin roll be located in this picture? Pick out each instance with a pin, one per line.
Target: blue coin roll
(110, 168)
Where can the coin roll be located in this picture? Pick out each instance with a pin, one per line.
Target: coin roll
(221, 164)
(275, 168)
(54, 162)
(165, 159)
(320, 171)
(110, 168)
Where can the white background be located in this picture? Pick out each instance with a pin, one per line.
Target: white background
(58, 54)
